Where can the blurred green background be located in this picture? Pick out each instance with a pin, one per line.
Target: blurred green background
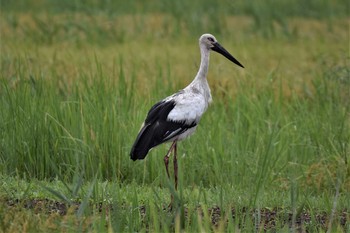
(78, 77)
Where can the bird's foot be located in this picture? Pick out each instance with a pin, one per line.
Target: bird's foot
(171, 204)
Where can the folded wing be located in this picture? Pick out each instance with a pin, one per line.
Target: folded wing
(158, 128)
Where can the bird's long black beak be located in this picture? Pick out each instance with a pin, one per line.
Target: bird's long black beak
(219, 49)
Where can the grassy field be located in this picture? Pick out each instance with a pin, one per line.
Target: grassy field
(271, 153)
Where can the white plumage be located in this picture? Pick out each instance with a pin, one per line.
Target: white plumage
(176, 117)
(189, 108)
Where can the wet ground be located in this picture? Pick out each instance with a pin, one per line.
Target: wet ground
(265, 219)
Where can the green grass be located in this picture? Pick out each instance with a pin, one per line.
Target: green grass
(121, 207)
(77, 81)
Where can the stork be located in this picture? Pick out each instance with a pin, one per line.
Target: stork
(176, 117)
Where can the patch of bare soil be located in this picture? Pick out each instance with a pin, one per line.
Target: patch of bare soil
(265, 219)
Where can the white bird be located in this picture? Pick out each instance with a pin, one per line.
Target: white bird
(177, 116)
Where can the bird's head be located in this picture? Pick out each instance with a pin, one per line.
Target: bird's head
(209, 41)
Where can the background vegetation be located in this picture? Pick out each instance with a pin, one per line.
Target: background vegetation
(77, 80)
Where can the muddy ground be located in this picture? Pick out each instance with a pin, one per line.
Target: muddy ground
(269, 218)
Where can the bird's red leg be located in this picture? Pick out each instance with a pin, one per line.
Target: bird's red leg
(175, 164)
(166, 158)
(166, 162)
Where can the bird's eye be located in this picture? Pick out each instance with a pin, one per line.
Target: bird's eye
(211, 39)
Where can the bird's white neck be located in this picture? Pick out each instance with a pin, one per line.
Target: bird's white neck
(200, 83)
(203, 68)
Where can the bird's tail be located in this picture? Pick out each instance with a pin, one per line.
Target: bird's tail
(142, 144)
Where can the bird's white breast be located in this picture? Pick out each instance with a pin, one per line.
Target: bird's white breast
(189, 107)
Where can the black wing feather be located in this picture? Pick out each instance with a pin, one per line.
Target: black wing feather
(156, 129)
(159, 111)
